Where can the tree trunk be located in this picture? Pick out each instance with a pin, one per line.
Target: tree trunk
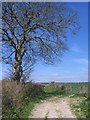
(17, 71)
(19, 53)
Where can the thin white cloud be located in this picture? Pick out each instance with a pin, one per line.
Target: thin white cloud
(63, 77)
(75, 48)
(81, 61)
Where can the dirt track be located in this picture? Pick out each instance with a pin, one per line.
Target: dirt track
(53, 108)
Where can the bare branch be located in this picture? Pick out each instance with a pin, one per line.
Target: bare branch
(10, 39)
(8, 56)
(35, 31)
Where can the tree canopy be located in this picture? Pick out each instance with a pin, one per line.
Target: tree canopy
(35, 31)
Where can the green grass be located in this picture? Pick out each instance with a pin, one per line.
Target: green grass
(72, 88)
(28, 107)
(50, 91)
(82, 110)
(27, 110)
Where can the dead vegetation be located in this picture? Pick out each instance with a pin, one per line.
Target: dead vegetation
(15, 95)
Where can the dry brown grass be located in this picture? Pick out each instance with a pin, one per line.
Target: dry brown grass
(16, 95)
(12, 94)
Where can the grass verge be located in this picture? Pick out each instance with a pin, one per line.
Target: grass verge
(81, 109)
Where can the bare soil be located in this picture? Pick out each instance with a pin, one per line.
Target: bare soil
(53, 108)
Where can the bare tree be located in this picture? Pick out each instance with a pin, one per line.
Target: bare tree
(35, 31)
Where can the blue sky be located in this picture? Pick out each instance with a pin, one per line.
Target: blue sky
(74, 65)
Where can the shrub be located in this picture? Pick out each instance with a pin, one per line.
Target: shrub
(33, 90)
(63, 87)
(12, 96)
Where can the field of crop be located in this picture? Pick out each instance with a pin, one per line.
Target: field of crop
(70, 88)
